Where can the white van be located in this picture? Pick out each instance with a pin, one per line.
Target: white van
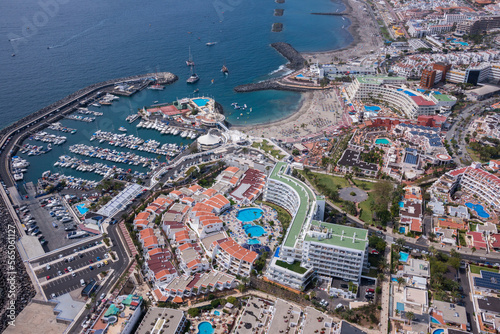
(82, 282)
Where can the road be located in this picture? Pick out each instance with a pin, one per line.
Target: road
(455, 128)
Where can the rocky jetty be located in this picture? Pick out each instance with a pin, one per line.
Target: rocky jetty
(277, 27)
(278, 12)
(295, 62)
(16, 289)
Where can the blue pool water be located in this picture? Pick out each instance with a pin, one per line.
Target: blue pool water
(300, 76)
(435, 321)
(402, 230)
(205, 328)
(401, 204)
(383, 141)
(216, 312)
(250, 214)
(277, 253)
(372, 108)
(403, 256)
(394, 279)
(253, 241)
(407, 92)
(479, 209)
(254, 230)
(461, 43)
(438, 331)
(400, 306)
(200, 102)
(82, 209)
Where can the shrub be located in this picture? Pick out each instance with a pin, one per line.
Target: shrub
(193, 312)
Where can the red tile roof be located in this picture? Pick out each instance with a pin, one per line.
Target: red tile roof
(419, 100)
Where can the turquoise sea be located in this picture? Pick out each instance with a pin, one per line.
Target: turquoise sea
(61, 46)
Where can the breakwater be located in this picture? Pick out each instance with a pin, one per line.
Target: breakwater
(278, 12)
(295, 62)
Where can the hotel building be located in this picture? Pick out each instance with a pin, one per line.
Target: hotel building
(391, 90)
(474, 181)
(328, 249)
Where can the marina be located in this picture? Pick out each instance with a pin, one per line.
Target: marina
(113, 155)
(102, 169)
(85, 111)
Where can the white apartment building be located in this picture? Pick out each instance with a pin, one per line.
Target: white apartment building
(393, 92)
(474, 181)
(230, 256)
(328, 249)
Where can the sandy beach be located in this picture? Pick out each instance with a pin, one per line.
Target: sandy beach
(319, 111)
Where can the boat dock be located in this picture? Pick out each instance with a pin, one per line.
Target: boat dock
(164, 129)
(98, 168)
(87, 119)
(85, 111)
(59, 127)
(135, 143)
(113, 155)
(132, 118)
(48, 138)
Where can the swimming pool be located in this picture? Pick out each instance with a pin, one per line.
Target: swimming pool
(403, 256)
(253, 241)
(407, 92)
(401, 204)
(402, 230)
(205, 328)
(438, 331)
(382, 141)
(82, 209)
(250, 214)
(479, 210)
(201, 102)
(254, 231)
(372, 108)
(216, 312)
(435, 321)
(461, 43)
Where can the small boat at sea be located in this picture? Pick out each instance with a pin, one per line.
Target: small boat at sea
(211, 43)
(224, 69)
(196, 90)
(122, 129)
(193, 78)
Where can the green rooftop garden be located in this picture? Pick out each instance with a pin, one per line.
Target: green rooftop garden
(295, 267)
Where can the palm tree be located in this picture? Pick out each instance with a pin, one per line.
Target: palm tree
(245, 280)
(473, 249)
(410, 316)
(400, 281)
(400, 242)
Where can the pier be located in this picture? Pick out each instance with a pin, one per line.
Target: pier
(334, 14)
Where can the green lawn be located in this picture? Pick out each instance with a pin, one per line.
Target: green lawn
(293, 267)
(268, 148)
(477, 269)
(329, 181)
(474, 155)
(367, 214)
(364, 185)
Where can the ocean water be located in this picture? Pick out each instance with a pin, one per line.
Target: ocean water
(61, 46)
(92, 41)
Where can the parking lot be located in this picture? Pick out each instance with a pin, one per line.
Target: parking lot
(56, 237)
(67, 271)
(322, 292)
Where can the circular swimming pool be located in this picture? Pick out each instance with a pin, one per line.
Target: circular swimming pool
(254, 231)
(250, 214)
(205, 328)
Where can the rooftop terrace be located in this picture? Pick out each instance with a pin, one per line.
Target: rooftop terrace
(341, 236)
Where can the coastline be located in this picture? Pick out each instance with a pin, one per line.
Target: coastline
(363, 42)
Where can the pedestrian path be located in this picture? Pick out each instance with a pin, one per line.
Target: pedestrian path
(128, 239)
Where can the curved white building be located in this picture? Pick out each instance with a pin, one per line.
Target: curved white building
(328, 249)
(209, 141)
(391, 91)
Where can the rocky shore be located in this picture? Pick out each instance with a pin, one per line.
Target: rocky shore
(16, 289)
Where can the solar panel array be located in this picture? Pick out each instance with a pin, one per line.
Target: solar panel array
(488, 280)
(411, 159)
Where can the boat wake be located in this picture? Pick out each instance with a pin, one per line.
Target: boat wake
(72, 38)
